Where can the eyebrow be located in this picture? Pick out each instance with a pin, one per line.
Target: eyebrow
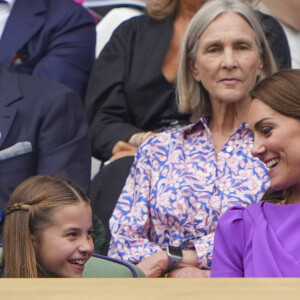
(236, 41)
(258, 124)
(77, 228)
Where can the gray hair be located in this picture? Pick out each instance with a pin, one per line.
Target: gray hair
(192, 96)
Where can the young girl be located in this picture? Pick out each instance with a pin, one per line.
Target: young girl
(47, 230)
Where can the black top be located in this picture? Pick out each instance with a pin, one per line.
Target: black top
(128, 93)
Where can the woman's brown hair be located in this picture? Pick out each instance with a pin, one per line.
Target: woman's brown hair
(29, 212)
(281, 92)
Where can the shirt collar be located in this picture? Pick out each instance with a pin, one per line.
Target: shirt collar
(202, 123)
(198, 125)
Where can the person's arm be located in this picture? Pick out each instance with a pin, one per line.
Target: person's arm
(130, 223)
(122, 149)
(229, 245)
(63, 145)
(70, 52)
(108, 110)
(158, 264)
(194, 263)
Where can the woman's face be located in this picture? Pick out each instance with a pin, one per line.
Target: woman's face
(227, 60)
(277, 144)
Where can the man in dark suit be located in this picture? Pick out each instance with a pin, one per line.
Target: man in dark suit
(54, 39)
(42, 131)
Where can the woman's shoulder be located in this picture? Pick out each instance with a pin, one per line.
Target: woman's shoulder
(239, 213)
(168, 136)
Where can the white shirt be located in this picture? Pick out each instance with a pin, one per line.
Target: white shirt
(5, 9)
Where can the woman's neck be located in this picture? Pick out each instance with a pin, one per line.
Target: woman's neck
(226, 118)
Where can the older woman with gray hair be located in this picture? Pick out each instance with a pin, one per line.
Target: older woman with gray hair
(131, 92)
(183, 180)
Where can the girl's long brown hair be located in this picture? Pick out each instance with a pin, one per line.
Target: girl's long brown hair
(30, 211)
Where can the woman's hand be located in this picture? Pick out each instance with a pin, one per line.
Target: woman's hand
(155, 265)
(122, 149)
(189, 272)
(146, 136)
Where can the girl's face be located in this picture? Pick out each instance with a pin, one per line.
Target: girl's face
(64, 247)
(277, 144)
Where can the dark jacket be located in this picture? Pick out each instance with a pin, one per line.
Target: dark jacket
(54, 39)
(43, 131)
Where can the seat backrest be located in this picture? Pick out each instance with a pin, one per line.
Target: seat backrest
(103, 266)
(106, 267)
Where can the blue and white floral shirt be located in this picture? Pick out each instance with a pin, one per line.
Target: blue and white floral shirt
(178, 188)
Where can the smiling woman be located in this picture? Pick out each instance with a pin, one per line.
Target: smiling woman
(275, 119)
(47, 230)
(262, 240)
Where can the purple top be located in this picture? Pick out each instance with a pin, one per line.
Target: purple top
(261, 240)
(179, 187)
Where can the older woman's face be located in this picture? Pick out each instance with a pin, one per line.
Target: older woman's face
(277, 144)
(227, 60)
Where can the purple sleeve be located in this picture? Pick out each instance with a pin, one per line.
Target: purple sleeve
(229, 243)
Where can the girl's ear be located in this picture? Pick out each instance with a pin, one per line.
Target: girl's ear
(34, 240)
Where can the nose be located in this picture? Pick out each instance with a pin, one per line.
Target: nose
(258, 148)
(86, 245)
(229, 59)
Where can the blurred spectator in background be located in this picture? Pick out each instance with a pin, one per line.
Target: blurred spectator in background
(288, 13)
(93, 13)
(43, 130)
(54, 39)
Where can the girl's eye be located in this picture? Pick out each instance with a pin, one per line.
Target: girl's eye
(72, 234)
(266, 130)
(90, 233)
